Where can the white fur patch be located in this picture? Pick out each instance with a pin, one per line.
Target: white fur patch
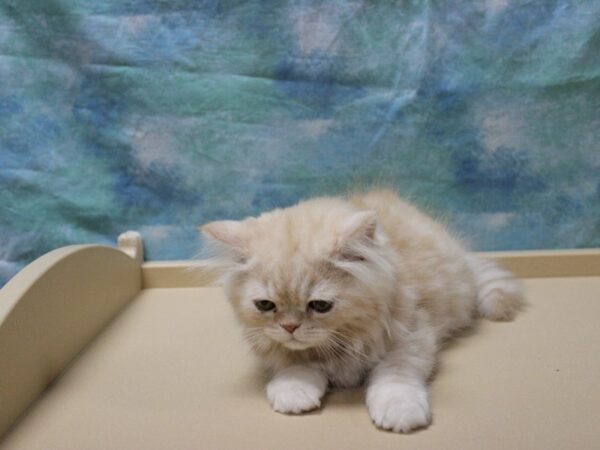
(399, 407)
(296, 389)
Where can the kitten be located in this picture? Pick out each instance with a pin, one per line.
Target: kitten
(336, 291)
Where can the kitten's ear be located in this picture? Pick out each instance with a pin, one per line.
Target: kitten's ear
(361, 225)
(228, 232)
(357, 231)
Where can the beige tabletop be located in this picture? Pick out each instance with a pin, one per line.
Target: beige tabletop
(172, 372)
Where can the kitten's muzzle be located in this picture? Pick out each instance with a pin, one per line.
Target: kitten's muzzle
(289, 327)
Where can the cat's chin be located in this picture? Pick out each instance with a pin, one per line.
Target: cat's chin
(296, 345)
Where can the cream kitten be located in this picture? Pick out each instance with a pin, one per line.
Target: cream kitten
(335, 291)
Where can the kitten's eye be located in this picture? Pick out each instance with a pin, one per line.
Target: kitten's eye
(264, 305)
(320, 306)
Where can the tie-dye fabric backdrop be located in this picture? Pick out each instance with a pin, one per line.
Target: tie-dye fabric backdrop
(158, 115)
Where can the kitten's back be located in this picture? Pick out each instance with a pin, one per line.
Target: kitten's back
(452, 281)
(409, 229)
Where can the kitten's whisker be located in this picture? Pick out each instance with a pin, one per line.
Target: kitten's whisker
(325, 352)
(355, 353)
(342, 348)
(346, 342)
(335, 352)
(256, 338)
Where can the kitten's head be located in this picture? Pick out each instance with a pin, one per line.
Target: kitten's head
(306, 276)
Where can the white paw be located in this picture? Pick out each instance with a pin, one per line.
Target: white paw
(398, 407)
(293, 397)
(296, 391)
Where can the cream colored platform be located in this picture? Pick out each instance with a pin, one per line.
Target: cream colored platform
(171, 371)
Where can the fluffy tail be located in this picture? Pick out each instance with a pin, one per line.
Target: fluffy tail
(500, 293)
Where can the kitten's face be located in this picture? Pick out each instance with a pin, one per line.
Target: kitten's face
(308, 305)
(305, 277)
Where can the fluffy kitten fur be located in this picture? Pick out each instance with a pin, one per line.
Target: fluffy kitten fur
(399, 285)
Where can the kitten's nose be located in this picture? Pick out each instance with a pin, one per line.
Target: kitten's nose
(289, 327)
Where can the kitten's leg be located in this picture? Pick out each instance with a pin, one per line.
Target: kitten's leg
(296, 389)
(397, 395)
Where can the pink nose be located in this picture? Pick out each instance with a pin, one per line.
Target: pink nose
(289, 327)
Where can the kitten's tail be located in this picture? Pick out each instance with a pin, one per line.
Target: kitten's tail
(500, 293)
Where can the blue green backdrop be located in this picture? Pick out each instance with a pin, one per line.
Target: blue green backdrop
(158, 115)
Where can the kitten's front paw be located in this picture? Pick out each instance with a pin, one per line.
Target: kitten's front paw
(398, 407)
(291, 395)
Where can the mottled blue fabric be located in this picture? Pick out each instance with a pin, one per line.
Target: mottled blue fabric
(159, 115)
